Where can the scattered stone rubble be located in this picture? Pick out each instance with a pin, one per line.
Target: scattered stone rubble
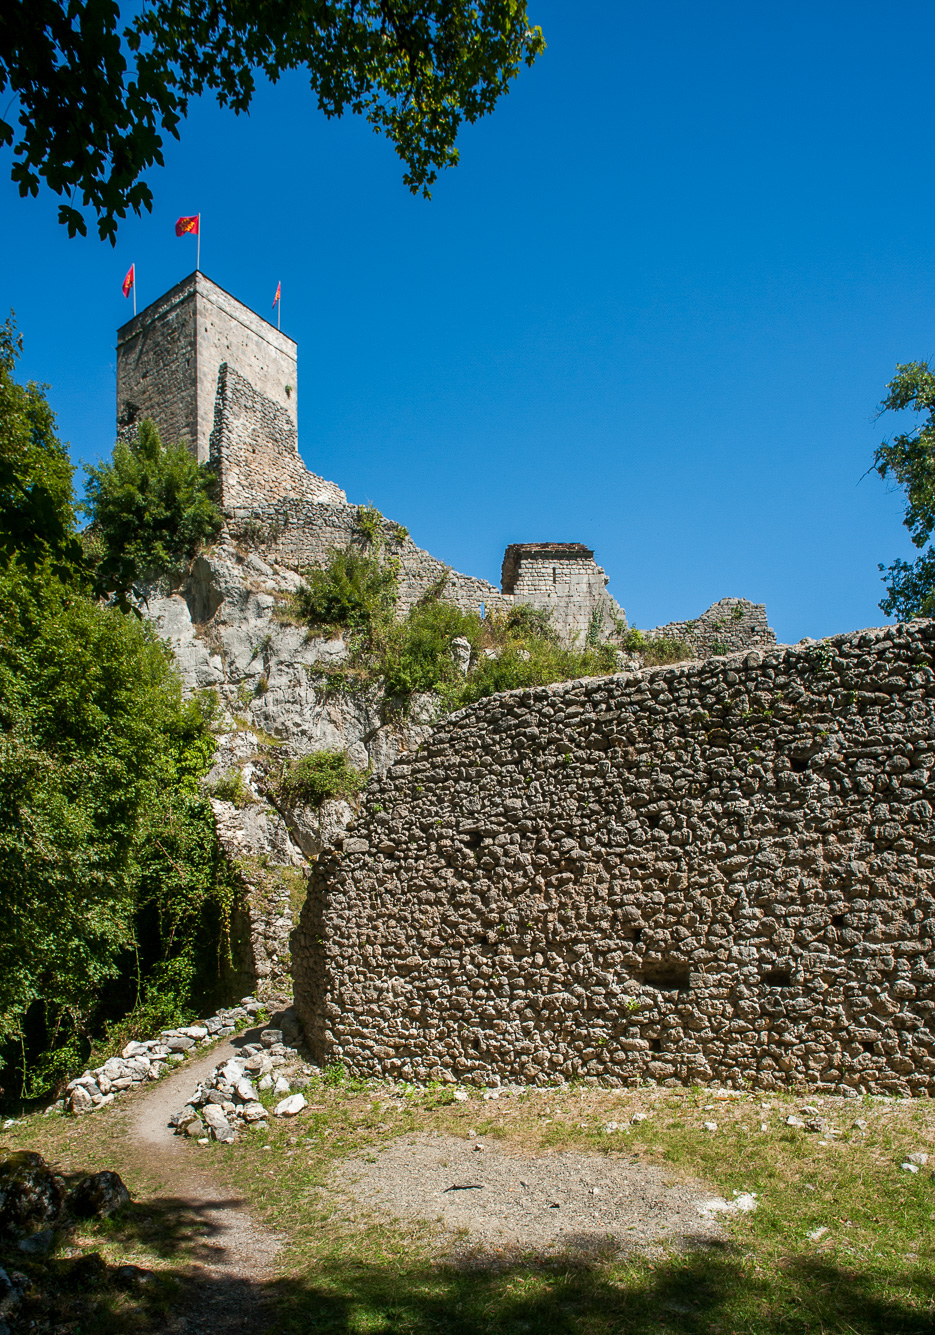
(222, 1106)
(148, 1059)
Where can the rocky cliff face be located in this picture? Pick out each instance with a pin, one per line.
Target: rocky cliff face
(227, 624)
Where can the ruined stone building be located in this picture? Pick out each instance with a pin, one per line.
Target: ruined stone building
(209, 371)
(718, 870)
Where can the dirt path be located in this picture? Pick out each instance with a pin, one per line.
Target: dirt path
(230, 1254)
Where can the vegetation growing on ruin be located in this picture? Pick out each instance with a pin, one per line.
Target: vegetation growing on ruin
(230, 787)
(413, 655)
(115, 895)
(318, 777)
(354, 590)
(654, 650)
(356, 593)
(151, 511)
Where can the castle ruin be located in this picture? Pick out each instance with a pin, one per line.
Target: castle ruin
(722, 869)
(211, 372)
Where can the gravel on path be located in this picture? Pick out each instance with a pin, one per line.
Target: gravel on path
(493, 1198)
(233, 1254)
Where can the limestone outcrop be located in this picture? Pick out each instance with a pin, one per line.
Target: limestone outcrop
(224, 623)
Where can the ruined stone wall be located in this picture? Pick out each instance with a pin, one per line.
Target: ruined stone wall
(563, 580)
(231, 333)
(255, 450)
(712, 871)
(299, 534)
(728, 626)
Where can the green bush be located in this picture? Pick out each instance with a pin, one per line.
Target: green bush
(414, 655)
(656, 650)
(151, 511)
(108, 853)
(534, 662)
(230, 787)
(353, 590)
(37, 513)
(315, 778)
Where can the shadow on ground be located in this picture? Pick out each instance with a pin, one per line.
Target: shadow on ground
(699, 1295)
(714, 1291)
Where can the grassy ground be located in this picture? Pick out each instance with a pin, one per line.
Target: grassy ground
(870, 1271)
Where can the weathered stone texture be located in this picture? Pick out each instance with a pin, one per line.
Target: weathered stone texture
(221, 625)
(298, 534)
(170, 354)
(712, 871)
(728, 626)
(254, 449)
(561, 578)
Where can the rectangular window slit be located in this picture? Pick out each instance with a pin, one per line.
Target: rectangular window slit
(668, 978)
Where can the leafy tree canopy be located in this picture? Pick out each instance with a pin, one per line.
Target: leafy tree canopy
(37, 513)
(909, 459)
(151, 510)
(112, 883)
(96, 98)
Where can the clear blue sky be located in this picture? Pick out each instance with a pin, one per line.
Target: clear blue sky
(652, 310)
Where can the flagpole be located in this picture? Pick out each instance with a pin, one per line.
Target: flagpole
(279, 310)
(198, 253)
(134, 290)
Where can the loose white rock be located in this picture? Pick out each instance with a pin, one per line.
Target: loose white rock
(80, 1100)
(290, 1106)
(709, 1126)
(252, 1112)
(214, 1116)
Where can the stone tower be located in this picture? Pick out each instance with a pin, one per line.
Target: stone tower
(561, 578)
(212, 373)
(169, 356)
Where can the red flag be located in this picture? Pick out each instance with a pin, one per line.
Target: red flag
(129, 280)
(186, 225)
(278, 294)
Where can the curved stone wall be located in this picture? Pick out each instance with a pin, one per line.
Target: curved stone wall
(713, 871)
